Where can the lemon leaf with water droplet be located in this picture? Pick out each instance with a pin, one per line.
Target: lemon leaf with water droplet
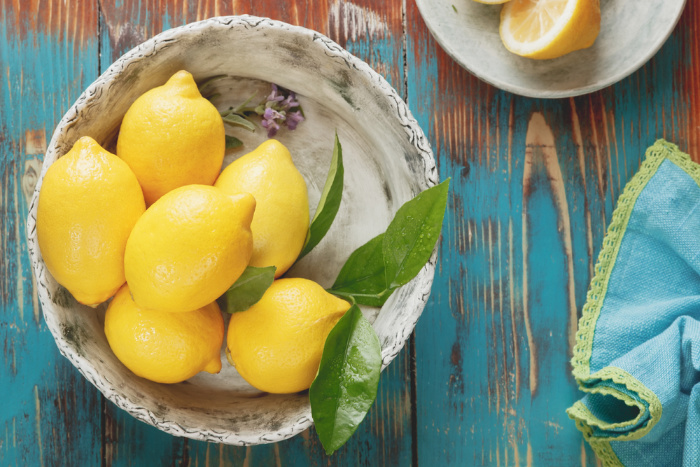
(346, 384)
(362, 277)
(411, 237)
(390, 260)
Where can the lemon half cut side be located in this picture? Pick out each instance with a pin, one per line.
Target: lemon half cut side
(546, 29)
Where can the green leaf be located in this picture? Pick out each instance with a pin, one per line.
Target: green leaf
(362, 276)
(232, 142)
(390, 260)
(249, 288)
(235, 119)
(346, 384)
(370, 298)
(242, 107)
(204, 87)
(410, 238)
(329, 203)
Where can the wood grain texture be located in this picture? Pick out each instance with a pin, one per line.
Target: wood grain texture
(534, 185)
(370, 29)
(687, 77)
(48, 54)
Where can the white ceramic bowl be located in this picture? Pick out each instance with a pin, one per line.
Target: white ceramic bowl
(387, 161)
(631, 32)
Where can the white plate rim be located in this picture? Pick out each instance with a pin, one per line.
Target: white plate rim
(452, 51)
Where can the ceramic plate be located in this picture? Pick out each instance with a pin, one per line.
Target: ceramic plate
(631, 33)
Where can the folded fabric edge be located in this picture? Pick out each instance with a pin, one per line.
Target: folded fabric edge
(655, 155)
(617, 376)
(586, 421)
(601, 447)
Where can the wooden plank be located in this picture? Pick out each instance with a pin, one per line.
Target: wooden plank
(686, 77)
(372, 30)
(48, 54)
(533, 188)
(369, 29)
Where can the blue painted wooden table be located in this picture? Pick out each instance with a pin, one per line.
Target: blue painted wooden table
(485, 379)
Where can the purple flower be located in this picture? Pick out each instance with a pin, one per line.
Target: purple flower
(274, 96)
(281, 107)
(271, 126)
(290, 102)
(269, 121)
(271, 114)
(293, 119)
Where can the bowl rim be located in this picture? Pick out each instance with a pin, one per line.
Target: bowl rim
(453, 51)
(88, 368)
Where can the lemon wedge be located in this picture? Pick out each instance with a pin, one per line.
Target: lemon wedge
(544, 29)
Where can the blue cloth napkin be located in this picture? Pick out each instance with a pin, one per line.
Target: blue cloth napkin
(637, 354)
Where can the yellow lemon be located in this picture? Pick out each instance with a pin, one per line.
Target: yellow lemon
(544, 29)
(161, 346)
(171, 136)
(88, 204)
(188, 248)
(281, 219)
(276, 344)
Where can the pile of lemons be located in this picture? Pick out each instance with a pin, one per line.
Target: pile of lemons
(164, 231)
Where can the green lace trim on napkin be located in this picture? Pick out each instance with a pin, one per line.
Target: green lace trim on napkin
(585, 420)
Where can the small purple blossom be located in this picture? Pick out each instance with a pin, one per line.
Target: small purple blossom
(293, 119)
(290, 102)
(269, 121)
(274, 96)
(272, 114)
(280, 110)
(280, 107)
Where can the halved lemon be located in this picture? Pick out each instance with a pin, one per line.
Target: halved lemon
(544, 29)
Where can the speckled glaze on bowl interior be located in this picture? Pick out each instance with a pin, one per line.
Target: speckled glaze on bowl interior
(387, 162)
